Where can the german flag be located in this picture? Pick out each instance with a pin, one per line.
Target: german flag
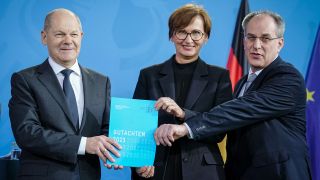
(237, 63)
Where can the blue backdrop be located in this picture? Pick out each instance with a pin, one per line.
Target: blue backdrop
(123, 36)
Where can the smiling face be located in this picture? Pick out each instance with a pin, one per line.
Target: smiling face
(188, 50)
(260, 54)
(63, 38)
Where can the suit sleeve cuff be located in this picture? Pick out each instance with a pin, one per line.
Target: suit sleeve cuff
(189, 114)
(190, 134)
(82, 146)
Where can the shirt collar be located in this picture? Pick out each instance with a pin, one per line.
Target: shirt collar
(57, 68)
(259, 71)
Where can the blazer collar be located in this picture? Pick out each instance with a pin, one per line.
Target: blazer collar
(48, 78)
(88, 85)
(167, 80)
(199, 81)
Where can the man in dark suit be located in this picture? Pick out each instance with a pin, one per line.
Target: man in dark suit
(59, 110)
(265, 122)
(193, 84)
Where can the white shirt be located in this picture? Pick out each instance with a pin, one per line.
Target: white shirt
(77, 86)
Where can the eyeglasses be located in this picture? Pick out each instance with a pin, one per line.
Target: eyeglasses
(263, 39)
(195, 35)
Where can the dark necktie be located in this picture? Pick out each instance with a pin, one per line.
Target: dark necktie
(70, 97)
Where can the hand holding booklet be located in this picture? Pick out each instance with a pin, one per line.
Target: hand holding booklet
(132, 124)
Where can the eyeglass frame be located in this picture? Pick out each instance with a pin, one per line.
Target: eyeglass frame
(189, 33)
(263, 39)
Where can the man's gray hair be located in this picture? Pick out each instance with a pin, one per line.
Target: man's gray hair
(47, 21)
(276, 17)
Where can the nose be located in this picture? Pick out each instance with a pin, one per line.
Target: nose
(257, 43)
(188, 38)
(67, 39)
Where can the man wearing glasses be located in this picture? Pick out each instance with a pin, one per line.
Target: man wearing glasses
(186, 79)
(265, 122)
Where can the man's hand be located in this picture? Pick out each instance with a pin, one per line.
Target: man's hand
(102, 146)
(170, 106)
(168, 133)
(145, 171)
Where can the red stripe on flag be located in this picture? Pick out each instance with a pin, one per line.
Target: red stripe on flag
(235, 68)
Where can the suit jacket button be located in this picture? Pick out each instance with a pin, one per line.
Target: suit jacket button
(185, 159)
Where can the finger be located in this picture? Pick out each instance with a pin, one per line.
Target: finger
(110, 147)
(167, 141)
(108, 166)
(141, 170)
(99, 152)
(155, 136)
(113, 143)
(165, 106)
(108, 156)
(163, 103)
(159, 103)
(171, 138)
(151, 171)
(115, 167)
(113, 150)
(146, 173)
(160, 135)
(171, 109)
(164, 139)
(170, 133)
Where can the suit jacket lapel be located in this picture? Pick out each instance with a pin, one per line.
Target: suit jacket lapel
(239, 85)
(264, 73)
(50, 81)
(88, 82)
(167, 81)
(199, 82)
(260, 79)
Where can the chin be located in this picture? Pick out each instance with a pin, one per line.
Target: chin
(67, 60)
(256, 67)
(189, 54)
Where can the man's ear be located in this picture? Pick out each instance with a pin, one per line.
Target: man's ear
(44, 37)
(280, 44)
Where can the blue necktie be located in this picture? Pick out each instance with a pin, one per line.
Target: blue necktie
(246, 85)
(70, 97)
(251, 78)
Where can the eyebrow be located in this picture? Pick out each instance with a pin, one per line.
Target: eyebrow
(59, 31)
(191, 30)
(263, 35)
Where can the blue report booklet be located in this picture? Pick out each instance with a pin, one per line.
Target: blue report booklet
(132, 124)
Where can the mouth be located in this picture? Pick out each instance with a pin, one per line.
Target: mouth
(66, 49)
(256, 55)
(188, 47)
